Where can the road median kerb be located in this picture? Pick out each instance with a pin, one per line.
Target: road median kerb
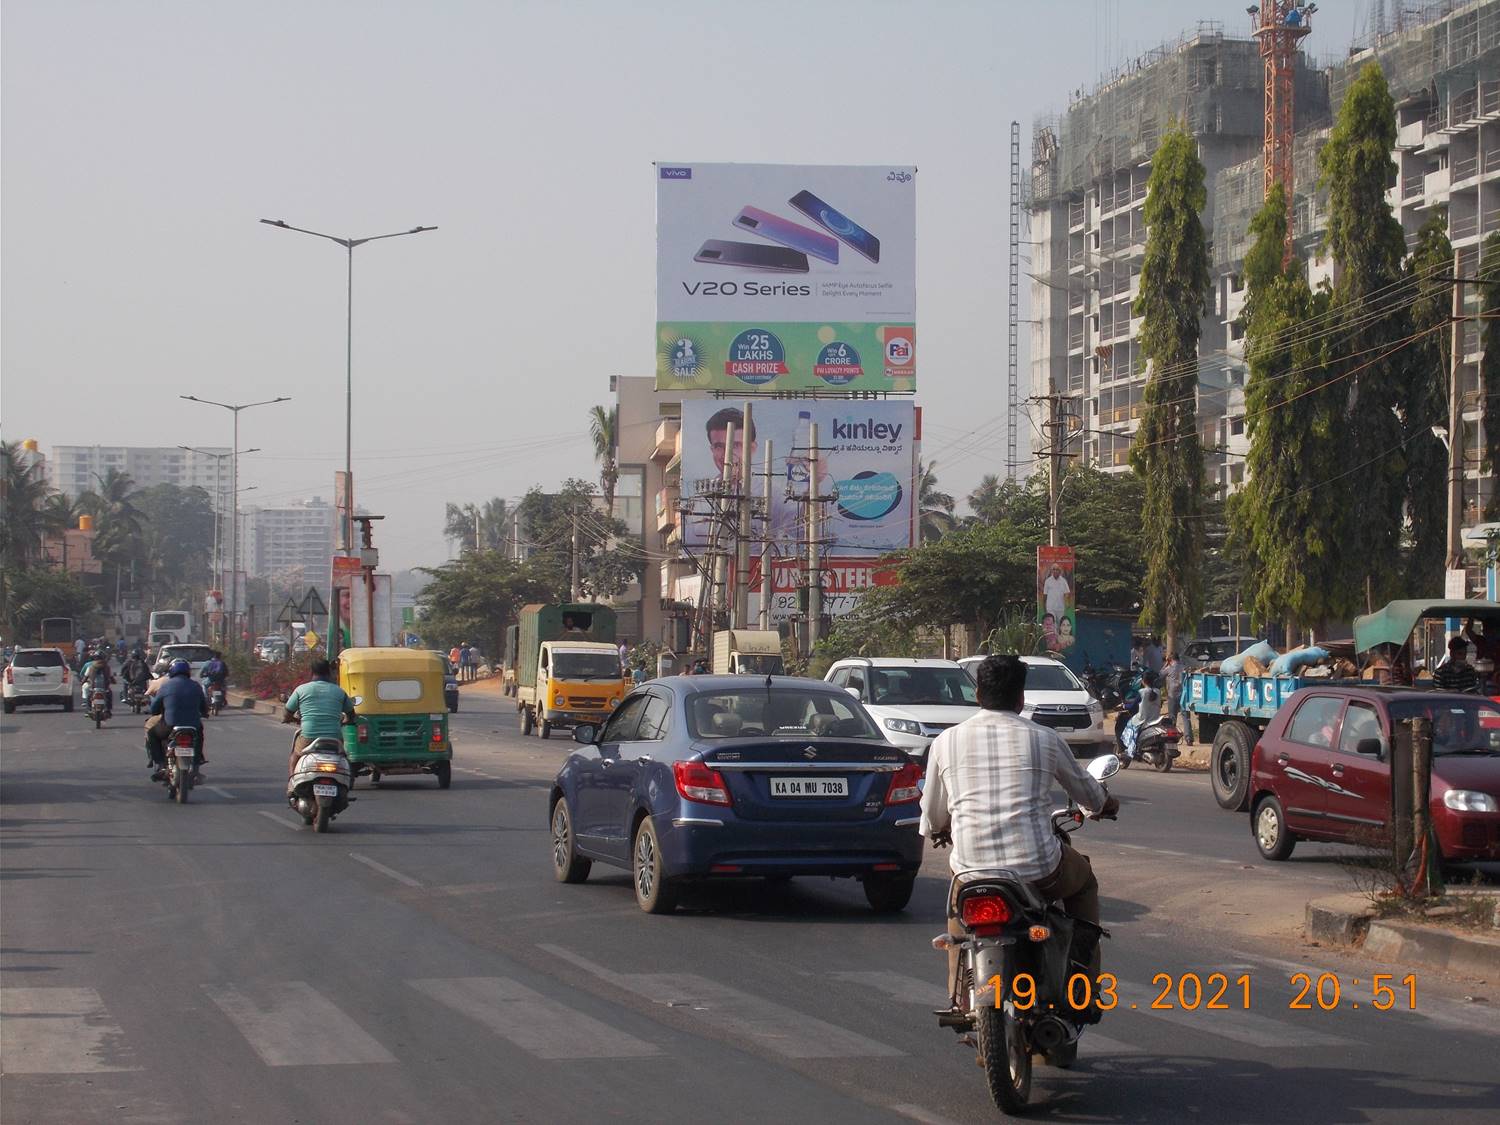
(241, 702)
(1350, 920)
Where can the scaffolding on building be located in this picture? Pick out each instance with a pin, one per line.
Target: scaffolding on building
(1237, 193)
(1429, 48)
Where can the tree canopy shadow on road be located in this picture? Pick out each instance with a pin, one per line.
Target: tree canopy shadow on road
(1143, 1088)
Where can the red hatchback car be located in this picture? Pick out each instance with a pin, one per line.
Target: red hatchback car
(1321, 770)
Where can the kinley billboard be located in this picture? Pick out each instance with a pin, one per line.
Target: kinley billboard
(866, 458)
(783, 277)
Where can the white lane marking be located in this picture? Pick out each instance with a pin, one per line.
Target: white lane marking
(225, 793)
(737, 1015)
(57, 1031)
(531, 1021)
(390, 872)
(290, 1023)
(909, 990)
(1237, 1026)
(279, 819)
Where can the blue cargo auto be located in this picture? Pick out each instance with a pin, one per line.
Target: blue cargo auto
(706, 777)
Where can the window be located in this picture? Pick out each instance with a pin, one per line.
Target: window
(1314, 721)
(840, 677)
(38, 658)
(779, 713)
(623, 724)
(1360, 722)
(1237, 426)
(398, 691)
(911, 686)
(857, 681)
(655, 718)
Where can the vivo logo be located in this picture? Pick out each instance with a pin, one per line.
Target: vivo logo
(676, 173)
(851, 430)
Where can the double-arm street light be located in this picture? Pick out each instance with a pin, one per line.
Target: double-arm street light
(218, 502)
(234, 485)
(347, 530)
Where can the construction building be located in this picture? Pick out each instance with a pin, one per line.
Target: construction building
(1088, 184)
(282, 542)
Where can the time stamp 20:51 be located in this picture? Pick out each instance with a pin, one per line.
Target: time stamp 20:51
(1217, 992)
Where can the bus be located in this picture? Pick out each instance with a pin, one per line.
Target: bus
(177, 622)
(58, 633)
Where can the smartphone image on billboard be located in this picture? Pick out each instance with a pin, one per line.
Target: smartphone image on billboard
(836, 223)
(749, 255)
(788, 233)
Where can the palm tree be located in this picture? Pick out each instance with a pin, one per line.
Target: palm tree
(23, 491)
(604, 430)
(934, 509)
(477, 527)
(59, 513)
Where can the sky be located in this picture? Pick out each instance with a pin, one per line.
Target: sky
(143, 139)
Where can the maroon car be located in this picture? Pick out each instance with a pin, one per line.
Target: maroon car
(1321, 770)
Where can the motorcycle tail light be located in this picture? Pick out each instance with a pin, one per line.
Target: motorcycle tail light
(327, 767)
(698, 782)
(1039, 933)
(362, 732)
(184, 740)
(985, 912)
(1171, 732)
(905, 785)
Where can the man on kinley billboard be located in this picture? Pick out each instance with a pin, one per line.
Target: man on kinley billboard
(1055, 609)
(866, 456)
(778, 277)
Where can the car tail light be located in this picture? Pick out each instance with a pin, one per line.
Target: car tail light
(698, 782)
(10, 676)
(65, 674)
(905, 785)
(362, 732)
(985, 914)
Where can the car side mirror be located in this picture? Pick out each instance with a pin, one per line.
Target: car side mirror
(1371, 746)
(586, 734)
(854, 691)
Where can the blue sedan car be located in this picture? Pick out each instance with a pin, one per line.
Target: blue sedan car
(696, 777)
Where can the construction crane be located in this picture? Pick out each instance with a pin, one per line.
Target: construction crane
(1280, 25)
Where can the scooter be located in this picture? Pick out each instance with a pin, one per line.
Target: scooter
(1024, 976)
(318, 789)
(182, 763)
(1154, 742)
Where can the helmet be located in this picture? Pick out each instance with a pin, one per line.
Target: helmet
(180, 668)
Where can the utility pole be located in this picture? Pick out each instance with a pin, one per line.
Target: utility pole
(814, 570)
(1455, 426)
(1057, 435)
(767, 587)
(741, 616)
(577, 592)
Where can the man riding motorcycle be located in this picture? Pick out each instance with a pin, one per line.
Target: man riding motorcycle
(321, 706)
(215, 674)
(179, 703)
(136, 673)
(988, 793)
(97, 673)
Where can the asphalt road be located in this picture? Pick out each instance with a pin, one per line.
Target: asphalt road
(217, 961)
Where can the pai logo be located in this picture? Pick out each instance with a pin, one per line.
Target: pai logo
(900, 345)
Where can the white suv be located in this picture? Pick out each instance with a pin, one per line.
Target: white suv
(1056, 698)
(912, 701)
(37, 675)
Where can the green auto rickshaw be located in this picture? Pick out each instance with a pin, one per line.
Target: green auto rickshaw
(403, 719)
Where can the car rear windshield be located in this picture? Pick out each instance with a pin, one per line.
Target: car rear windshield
(586, 665)
(1459, 726)
(193, 654)
(1050, 677)
(777, 713)
(39, 658)
(892, 687)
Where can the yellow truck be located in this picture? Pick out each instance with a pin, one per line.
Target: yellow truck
(567, 666)
(748, 652)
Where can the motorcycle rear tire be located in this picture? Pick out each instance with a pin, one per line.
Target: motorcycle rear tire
(184, 784)
(325, 814)
(1007, 1062)
(98, 721)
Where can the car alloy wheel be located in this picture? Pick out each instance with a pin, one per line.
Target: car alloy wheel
(645, 865)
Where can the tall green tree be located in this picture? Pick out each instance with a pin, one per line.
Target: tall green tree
(1284, 523)
(1367, 246)
(482, 527)
(1167, 452)
(604, 433)
(1489, 366)
(477, 596)
(1423, 403)
(608, 559)
(23, 492)
(934, 506)
(176, 541)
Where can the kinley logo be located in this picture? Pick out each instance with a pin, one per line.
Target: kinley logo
(676, 173)
(869, 430)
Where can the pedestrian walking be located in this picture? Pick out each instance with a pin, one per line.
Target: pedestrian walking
(465, 661)
(1172, 681)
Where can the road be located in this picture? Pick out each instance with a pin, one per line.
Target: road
(217, 961)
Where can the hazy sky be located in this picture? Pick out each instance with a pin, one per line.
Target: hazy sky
(142, 139)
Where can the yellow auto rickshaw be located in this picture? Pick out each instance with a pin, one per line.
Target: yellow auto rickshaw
(403, 719)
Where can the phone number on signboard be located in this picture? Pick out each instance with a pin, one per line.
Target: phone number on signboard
(789, 605)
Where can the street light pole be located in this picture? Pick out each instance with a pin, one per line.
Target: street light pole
(218, 562)
(348, 244)
(234, 487)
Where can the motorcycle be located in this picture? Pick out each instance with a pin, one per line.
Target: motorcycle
(135, 697)
(182, 763)
(215, 699)
(1104, 685)
(98, 709)
(1018, 977)
(318, 789)
(1154, 742)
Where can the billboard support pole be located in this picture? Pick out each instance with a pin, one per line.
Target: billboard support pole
(814, 572)
(766, 585)
(741, 617)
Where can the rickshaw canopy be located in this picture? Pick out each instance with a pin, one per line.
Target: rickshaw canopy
(1393, 624)
(387, 681)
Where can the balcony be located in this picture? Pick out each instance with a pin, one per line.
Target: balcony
(1462, 225)
(1464, 167)
(666, 509)
(1435, 185)
(667, 431)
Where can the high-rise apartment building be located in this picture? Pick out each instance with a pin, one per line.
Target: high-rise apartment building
(292, 537)
(76, 469)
